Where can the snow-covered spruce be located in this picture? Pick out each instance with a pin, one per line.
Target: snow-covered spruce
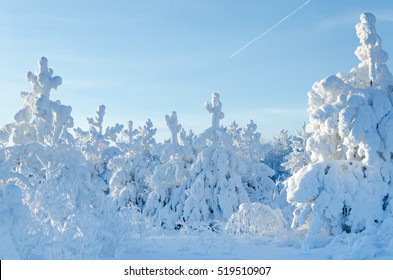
(170, 179)
(347, 185)
(216, 189)
(299, 157)
(98, 146)
(249, 146)
(52, 206)
(40, 119)
(129, 184)
(281, 148)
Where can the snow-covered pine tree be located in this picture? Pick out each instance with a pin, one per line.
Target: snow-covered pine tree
(347, 185)
(299, 157)
(257, 178)
(98, 146)
(129, 184)
(372, 69)
(67, 211)
(281, 148)
(216, 189)
(165, 202)
(41, 119)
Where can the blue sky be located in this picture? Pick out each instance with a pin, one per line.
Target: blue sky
(144, 59)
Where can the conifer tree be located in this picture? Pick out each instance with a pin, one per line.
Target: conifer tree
(165, 202)
(346, 185)
(129, 184)
(216, 189)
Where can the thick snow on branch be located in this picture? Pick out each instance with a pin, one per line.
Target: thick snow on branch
(173, 126)
(42, 80)
(372, 68)
(214, 108)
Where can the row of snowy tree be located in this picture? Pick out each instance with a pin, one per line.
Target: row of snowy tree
(65, 180)
(73, 193)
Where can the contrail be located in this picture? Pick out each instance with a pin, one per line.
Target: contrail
(271, 28)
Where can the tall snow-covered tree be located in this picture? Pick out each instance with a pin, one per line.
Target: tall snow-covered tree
(216, 189)
(372, 69)
(67, 214)
(347, 184)
(40, 119)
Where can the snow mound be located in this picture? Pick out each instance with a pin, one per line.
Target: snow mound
(255, 219)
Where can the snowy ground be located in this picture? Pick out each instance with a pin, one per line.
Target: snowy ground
(217, 246)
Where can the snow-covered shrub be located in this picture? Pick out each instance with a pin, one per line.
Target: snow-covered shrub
(169, 181)
(255, 219)
(346, 185)
(216, 188)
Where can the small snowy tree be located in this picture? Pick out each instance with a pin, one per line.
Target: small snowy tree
(257, 178)
(216, 190)
(99, 146)
(280, 149)
(346, 185)
(299, 157)
(165, 203)
(129, 184)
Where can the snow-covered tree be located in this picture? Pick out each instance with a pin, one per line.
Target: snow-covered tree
(99, 146)
(129, 184)
(52, 194)
(372, 69)
(347, 184)
(216, 189)
(40, 119)
(299, 157)
(281, 148)
(250, 147)
(169, 181)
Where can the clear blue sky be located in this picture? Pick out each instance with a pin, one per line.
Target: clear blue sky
(144, 59)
